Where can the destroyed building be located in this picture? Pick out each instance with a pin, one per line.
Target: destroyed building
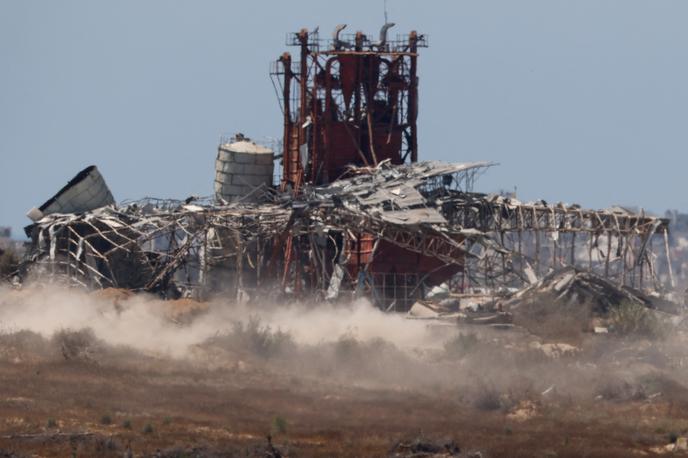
(354, 213)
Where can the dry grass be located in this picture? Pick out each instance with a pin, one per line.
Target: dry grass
(548, 319)
(220, 412)
(312, 400)
(256, 338)
(636, 319)
(461, 345)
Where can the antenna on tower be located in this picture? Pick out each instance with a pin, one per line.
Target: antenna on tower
(385, 6)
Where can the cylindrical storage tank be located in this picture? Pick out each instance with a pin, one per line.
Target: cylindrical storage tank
(241, 167)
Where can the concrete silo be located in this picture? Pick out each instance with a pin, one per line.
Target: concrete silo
(242, 167)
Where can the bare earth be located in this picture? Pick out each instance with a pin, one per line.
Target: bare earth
(60, 399)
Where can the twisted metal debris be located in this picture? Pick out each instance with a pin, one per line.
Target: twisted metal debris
(197, 246)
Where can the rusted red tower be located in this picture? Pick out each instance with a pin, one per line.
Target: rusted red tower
(348, 100)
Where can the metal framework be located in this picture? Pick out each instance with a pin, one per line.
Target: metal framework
(190, 248)
(347, 101)
(355, 212)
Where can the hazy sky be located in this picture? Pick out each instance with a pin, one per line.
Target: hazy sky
(581, 101)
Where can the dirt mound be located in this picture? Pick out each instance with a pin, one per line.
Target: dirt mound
(184, 310)
(568, 302)
(115, 295)
(180, 311)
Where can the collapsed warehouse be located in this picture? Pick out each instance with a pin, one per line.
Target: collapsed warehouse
(354, 213)
(427, 210)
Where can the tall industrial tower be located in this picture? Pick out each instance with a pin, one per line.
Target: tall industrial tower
(353, 100)
(347, 101)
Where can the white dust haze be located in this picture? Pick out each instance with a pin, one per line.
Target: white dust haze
(140, 322)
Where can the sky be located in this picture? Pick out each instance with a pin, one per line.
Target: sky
(580, 101)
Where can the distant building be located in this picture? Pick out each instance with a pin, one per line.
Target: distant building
(7, 243)
(678, 245)
(5, 238)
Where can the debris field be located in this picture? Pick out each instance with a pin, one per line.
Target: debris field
(337, 296)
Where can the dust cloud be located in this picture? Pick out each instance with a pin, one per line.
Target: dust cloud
(143, 322)
(356, 344)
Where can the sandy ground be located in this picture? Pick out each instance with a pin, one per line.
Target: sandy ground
(503, 393)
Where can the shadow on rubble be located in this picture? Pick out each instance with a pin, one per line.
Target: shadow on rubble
(569, 302)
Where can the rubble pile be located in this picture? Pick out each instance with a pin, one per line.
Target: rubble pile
(324, 240)
(571, 286)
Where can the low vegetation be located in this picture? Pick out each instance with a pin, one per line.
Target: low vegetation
(78, 345)
(257, 338)
(460, 345)
(279, 425)
(635, 319)
(548, 318)
(487, 398)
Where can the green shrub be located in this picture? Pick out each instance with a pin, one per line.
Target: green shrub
(631, 318)
(126, 424)
(106, 420)
(279, 425)
(76, 345)
(460, 345)
(148, 429)
(262, 339)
